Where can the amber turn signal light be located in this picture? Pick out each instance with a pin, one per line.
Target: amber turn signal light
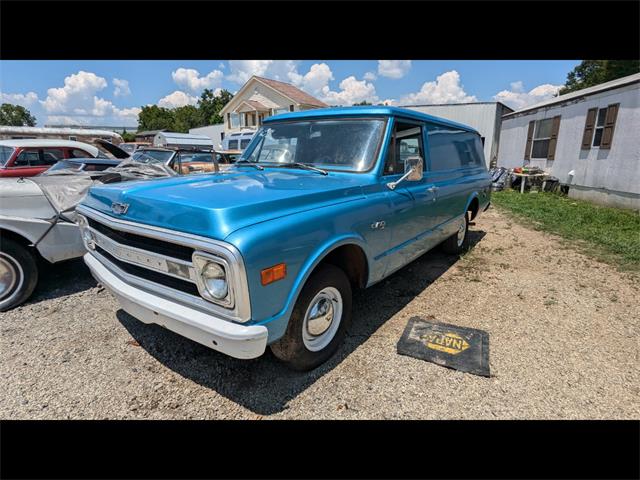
(272, 274)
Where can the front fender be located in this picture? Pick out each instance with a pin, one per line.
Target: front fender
(301, 241)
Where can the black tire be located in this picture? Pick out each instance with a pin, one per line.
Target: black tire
(291, 348)
(452, 246)
(25, 270)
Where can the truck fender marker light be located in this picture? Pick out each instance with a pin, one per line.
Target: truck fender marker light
(272, 274)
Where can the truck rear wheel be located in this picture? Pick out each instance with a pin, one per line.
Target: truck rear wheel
(319, 320)
(459, 241)
(18, 274)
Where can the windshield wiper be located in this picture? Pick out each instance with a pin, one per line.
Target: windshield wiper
(249, 164)
(303, 166)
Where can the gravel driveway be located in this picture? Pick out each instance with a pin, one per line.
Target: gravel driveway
(563, 328)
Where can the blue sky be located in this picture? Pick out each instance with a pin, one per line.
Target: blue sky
(111, 92)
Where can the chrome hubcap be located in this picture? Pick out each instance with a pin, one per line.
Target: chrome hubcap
(322, 319)
(462, 232)
(8, 276)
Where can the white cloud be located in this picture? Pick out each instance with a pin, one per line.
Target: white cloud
(177, 99)
(446, 89)
(243, 70)
(190, 79)
(314, 80)
(77, 100)
(24, 99)
(370, 76)
(518, 98)
(351, 91)
(393, 68)
(122, 88)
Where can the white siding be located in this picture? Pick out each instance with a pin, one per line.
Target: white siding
(607, 176)
(484, 117)
(214, 132)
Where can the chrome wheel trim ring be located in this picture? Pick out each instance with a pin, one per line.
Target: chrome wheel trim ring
(322, 319)
(462, 232)
(11, 278)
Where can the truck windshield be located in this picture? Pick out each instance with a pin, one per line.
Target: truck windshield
(344, 144)
(5, 155)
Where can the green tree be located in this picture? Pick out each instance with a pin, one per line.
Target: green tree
(364, 102)
(16, 116)
(153, 117)
(210, 105)
(128, 137)
(595, 72)
(185, 118)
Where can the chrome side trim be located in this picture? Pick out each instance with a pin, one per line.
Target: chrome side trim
(237, 276)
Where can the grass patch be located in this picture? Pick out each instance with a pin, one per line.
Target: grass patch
(610, 234)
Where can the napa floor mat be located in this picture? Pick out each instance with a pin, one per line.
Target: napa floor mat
(452, 346)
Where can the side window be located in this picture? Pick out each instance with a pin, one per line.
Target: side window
(244, 143)
(77, 153)
(233, 144)
(27, 158)
(450, 149)
(51, 156)
(406, 142)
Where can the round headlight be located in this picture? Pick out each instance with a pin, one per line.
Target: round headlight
(215, 280)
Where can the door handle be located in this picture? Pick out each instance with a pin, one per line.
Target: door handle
(433, 190)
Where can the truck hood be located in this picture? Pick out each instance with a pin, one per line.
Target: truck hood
(216, 205)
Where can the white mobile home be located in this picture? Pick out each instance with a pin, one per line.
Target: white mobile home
(181, 140)
(588, 139)
(485, 117)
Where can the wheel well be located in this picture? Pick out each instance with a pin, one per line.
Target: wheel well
(473, 207)
(16, 237)
(352, 260)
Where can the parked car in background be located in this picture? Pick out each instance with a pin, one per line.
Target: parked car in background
(131, 147)
(184, 160)
(37, 217)
(238, 141)
(268, 252)
(26, 158)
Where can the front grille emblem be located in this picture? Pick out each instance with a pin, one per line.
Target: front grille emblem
(119, 208)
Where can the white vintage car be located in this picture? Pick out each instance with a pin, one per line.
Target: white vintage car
(37, 216)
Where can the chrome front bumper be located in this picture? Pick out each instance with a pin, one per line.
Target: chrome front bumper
(230, 338)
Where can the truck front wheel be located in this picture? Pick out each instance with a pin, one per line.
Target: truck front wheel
(319, 320)
(18, 274)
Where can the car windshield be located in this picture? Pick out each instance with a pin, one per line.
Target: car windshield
(5, 154)
(152, 156)
(345, 144)
(128, 147)
(66, 165)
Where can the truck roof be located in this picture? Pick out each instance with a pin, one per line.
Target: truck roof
(361, 111)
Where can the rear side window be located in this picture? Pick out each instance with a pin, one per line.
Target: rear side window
(233, 145)
(27, 158)
(244, 143)
(51, 156)
(77, 153)
(450, 149)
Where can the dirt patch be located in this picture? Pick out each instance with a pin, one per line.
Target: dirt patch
(564, 344)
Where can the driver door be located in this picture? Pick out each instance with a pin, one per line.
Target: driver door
(410, 218)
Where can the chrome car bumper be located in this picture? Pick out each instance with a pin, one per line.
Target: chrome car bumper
(230, 338)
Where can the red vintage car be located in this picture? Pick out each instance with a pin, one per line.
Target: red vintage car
(27, 158)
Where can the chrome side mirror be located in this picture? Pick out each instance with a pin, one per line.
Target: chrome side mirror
(413, 170)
